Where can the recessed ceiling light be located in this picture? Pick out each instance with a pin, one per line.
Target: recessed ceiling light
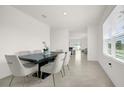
(122, 12)
(65, 13)
(44, 16)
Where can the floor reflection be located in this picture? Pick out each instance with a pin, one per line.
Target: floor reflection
(78, 57)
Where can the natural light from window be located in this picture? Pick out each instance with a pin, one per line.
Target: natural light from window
(113, 34)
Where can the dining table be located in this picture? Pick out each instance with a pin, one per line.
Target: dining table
(41, 59)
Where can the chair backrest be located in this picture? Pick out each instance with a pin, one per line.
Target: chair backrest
(15, 65)
(58, 62)
(37, 51)
(23, 53)
(59, 50)
(67, 58)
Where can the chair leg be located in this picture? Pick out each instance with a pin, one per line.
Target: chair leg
(11, 81)
(24, 82)
(40, 78)
(64, 70)
(61, 73)
(68, 67)
(54, 80)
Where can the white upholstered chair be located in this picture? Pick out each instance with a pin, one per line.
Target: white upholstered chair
(37, 51)
(17, 68)
(54, 67)
(66, 61)
(21, 53)
(58, 50)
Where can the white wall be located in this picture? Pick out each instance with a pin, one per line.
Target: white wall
(19, 32)
(116, 71)
(59, 40)
(92, 43)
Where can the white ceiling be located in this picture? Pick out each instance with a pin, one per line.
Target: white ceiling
(78, 16)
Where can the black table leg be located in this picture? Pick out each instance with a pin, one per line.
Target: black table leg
(45, 75)
(39, 72)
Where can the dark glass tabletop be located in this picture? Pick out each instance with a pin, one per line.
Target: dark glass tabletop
(38, 57)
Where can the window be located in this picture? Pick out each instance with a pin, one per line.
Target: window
(113, 34)
(120, 47)
(108, 46)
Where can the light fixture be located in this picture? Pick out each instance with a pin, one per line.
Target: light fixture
(122, 12)
(65, 13)
(44, 16)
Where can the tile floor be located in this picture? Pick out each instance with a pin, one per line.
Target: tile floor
(82, 74)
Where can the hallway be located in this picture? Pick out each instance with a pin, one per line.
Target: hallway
(82, 74)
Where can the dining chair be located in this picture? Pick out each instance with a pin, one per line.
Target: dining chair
(58, 50)
(37, 51)
(18, 69)
(21, 53)
(54, 67)
(66, 61)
